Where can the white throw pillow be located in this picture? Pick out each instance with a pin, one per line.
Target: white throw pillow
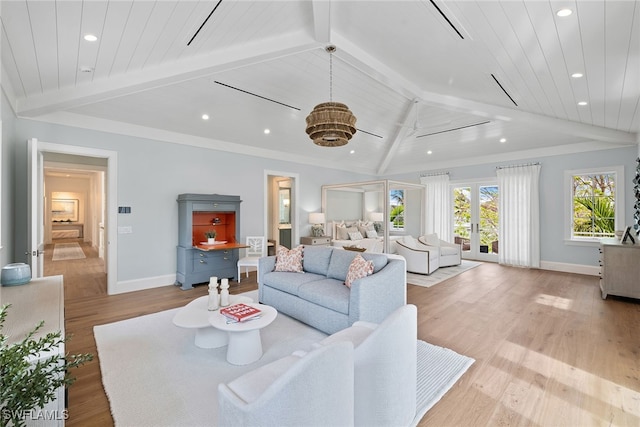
(410, 242)
(430, 239)
(355, 235)
(371, 234)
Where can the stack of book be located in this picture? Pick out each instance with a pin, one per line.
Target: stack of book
(240, 312)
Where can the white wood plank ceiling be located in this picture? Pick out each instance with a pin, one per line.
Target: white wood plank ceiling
(433, 83)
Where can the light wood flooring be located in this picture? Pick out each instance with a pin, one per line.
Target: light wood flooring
(549, 351)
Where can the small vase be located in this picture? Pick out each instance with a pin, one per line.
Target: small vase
(224, 292)
(211, 241)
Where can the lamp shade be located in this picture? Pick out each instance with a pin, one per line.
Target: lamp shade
(316, 218)
(376, 216)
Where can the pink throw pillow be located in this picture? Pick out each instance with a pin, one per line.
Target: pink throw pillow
(289, 260)
(358, 269)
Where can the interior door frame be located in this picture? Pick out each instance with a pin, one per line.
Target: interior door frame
(268, 195)
(474, 252)
(36, 150)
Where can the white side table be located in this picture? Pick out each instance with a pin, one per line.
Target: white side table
(196, 316)
(245, 344)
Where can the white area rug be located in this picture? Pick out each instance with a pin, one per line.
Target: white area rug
(441, 274)
(67, 251)
(154, 375)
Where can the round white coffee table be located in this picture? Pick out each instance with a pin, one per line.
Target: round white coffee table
(196, 316)
(245, 344)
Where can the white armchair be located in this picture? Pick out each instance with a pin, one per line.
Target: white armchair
(304, 389)
(420, 258)
(385, 368)
(450, 253)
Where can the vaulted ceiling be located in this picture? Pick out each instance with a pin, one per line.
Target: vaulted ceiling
(433, 83)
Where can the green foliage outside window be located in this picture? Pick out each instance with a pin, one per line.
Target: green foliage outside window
(594, 205)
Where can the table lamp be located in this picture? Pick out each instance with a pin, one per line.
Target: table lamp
(317, 221)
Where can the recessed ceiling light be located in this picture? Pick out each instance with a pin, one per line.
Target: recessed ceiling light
(503, 140)
(576, 75)
(267, 131)
(90, 37)
(582, 103)
(205, 117)
(429, 152)
(352, 151)
(564, 12)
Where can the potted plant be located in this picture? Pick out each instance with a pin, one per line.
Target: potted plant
(211, 237)
(30, 373)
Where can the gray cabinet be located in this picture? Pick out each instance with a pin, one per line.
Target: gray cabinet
(620, 269)
(198, 261)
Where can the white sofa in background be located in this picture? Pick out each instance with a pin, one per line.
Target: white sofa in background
(420, 258)
(449, 253)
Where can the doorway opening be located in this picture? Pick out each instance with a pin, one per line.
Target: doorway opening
(281, 219)
(73, 196)
(476, 218)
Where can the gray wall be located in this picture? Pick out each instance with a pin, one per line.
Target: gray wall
(552, 246)
(150, 176)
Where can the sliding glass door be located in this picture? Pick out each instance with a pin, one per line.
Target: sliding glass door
(475, 213)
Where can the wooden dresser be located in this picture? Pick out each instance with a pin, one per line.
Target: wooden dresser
(619, 269)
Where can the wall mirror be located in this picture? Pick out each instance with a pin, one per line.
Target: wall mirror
(64, 210)
(284, 201)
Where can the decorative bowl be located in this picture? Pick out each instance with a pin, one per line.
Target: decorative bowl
(15, 274)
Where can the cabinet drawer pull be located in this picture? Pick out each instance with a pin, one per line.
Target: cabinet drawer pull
(226, 258)
(201, 261)
(201, 255)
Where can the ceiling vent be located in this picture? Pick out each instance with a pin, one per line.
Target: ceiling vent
(204, 22)
(504, 90)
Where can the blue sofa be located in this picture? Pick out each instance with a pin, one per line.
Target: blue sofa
(319, 297)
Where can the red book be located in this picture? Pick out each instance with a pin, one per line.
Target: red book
(240, 312)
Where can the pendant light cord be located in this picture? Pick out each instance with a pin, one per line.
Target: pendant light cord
(330, 77)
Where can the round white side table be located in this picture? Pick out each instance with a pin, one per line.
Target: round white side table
(196, 316)
(245, 344)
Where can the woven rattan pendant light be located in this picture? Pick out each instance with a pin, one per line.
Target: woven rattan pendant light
(331, 124)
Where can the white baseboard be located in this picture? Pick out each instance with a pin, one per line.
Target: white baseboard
(146, 283)
(570, 268)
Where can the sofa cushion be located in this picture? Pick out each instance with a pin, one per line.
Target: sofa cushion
(289, 260)
(449, 250)
(379, 260)
(316, 259)
(339, 264)
(329, 293)
(289, 282)
(358, 269)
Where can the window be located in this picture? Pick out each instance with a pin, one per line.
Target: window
(594, 208)
(396, 214)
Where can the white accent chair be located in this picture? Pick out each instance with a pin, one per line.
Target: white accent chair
(304, 389)
(450, 253)
(257, 249)
(421, 259)
(385, 368)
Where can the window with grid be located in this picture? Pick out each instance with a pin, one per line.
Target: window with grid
(594, 207)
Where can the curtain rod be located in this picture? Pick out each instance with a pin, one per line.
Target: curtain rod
(516, 166)
(422, 175)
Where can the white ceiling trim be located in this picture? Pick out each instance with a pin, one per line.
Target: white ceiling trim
(120, 128)
(401, 132)
(322, 20)
(200, 66)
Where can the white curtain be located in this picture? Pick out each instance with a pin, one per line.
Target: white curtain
(519, 207)
(438, 206)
